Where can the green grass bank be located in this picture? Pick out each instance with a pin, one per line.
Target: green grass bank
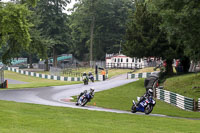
(30, 118)
(33, 82)
(187, 85)
(121, 98)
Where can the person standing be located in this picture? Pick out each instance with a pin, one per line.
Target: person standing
(103, 73)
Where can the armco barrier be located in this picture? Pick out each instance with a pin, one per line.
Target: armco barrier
(175, 99)
(198, 104)
(138, 75)
(46, 76)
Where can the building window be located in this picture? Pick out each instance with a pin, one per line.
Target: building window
(127, 60)
(133, 60)
(115, 60)
(118, 60)
(121, 60)
(139, 60)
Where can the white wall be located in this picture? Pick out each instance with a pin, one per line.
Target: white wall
(124, 61)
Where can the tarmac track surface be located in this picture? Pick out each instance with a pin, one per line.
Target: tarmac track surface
(59, 95)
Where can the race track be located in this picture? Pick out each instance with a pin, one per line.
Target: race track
(58, 95)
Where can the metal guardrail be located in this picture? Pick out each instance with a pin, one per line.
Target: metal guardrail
(53, 77)
(139, 75)
(175, 99)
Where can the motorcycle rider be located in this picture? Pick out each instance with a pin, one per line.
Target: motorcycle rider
(91, 92)
(85, 92)
(149, 93)
(91, 77)
(85, 76)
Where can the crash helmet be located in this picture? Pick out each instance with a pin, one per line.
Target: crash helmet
(92, 89)
(150, 92)
(90, 72)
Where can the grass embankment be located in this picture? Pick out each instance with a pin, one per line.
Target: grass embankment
(115, 72)
(187, 85)
(121, 98)
(33, 82)
(143, 70)
(30, 118)
(111, 72)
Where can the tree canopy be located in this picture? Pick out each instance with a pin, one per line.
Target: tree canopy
(109, 26)
(166, 28)
(14, 29)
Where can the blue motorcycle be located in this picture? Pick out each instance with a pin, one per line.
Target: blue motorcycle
(84, 99)
(145, 105)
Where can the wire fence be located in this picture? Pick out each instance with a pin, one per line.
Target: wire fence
(69, 72)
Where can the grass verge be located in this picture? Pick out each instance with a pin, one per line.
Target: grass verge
(33, 82)
(30, 118)
(187, 85)
(121, 98)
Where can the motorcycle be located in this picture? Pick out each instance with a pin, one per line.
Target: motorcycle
(145, 106)
(91, 77)
(84, 99)
(85, 80)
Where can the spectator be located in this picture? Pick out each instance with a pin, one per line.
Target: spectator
(103, 72)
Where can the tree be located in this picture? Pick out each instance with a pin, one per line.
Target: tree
(38, 45)
(54, 25)
(145, 38)
(14, 29)
(181, 18)
(102, 20)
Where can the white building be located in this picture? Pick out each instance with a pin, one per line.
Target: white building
(122, 61)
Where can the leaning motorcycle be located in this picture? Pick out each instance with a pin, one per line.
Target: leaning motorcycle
(85, 80)
(91, 77)
(84, 99)
(145, 106)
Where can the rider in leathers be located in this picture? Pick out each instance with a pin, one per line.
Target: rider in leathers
(146, 95)
(91, 93)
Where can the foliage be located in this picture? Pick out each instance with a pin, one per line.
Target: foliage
(181, 18)
(147, 35)
(109, 26)
(14, 30)
(54, 23)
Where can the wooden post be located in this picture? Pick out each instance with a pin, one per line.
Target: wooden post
(6, 83)
(195, 105)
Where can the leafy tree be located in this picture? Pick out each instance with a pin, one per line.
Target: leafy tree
(107, 19)
(54, 25)
(14, 29)
(181, 18)
(38, 45)
(145, 38)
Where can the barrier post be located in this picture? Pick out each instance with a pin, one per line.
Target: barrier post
(195, 105)
(6, 83)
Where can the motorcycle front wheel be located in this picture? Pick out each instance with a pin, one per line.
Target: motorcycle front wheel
(148, 109)
(85, 82)
(133, 109)
(84, 101)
